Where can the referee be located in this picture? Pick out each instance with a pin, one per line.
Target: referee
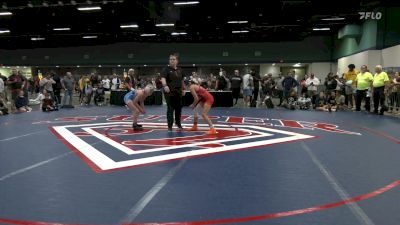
(172, 81)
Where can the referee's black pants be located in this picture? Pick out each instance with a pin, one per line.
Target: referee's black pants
(174, 103)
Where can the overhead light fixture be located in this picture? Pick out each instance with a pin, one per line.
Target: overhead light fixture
(239, 21)
(57, 66)
(129, 26)
(246, 64)
(89, 37)
(165, 25)
(297, 65)
(4, 31)
(145, 65)
(194, 65)
(324, 28)
(60, 3)
(273, 64)
(5, 13)
(119, 65)
(147, 35)
(219, 64)
(38, 39)
(45, 4)
(178, 33)
(30, 5)
(99, 65)
(62, 28)
(73, 2)
(105, 2)
(334, 18)
(91, 8)
(78, 66)
(186, 3)
(239, 31)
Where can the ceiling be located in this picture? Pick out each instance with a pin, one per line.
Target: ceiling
(207, 21)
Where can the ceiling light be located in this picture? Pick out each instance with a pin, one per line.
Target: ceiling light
(88, 37)
(297, 65)
(273, 64)
(62, 28)
(145, 65)
(147, 35)
(45, 4)
(219, 64)
(60, 3)
(194, 65)
(165, 25)
(91, 8)
(178, 33)
(186, 3)
(78, 66)
(37, 39)
(73, 2)
(4, 31)
(239, 21)
(324, 28)
(105, 2)
(119, 65)
(239, 31)
(57, 66)
(99, 65)
(334, 18)
(5, 13)
(129, 26)
(246, 64)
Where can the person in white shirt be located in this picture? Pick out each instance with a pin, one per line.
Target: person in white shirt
(38, 100)
(1, 88)
(312, 86)
(247, 88)
(115, 82)
(106, 83)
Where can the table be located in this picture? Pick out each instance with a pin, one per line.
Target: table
(117, 98)
(221, 98)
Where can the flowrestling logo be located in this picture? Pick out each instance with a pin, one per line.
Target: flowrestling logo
(110, 143)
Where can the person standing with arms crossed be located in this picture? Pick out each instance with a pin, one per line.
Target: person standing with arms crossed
(172, 81)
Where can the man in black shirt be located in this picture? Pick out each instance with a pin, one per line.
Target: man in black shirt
(236, 83)
(172, 81)
(256, 81)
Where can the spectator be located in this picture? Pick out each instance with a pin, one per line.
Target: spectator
(106, 83)
(303, 84)
(279, 87)
(57, 86)
(380, 84)
(222, 81)
(3, 107)
(363, 83)
(15, 82)
(289, 84)
(236, 81)
(330, 104)
(304, 102)
(351, 75)
(47, 103)
(20, 103)
(248, 86)
(312, 84)
(2, 90)
(330, 83)
(47, 84)
(394, 93)
(256, 81)
(340, 101)
(68, 86)
(115, 82)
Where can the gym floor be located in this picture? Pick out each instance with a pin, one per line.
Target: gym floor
(87, 166)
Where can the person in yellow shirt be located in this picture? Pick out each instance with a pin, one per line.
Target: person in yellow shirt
(380, 84)
(363, 82)
(351, 75)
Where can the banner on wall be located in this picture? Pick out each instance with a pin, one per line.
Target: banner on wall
(26, 71)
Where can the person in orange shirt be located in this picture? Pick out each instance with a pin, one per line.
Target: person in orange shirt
(350, 76)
